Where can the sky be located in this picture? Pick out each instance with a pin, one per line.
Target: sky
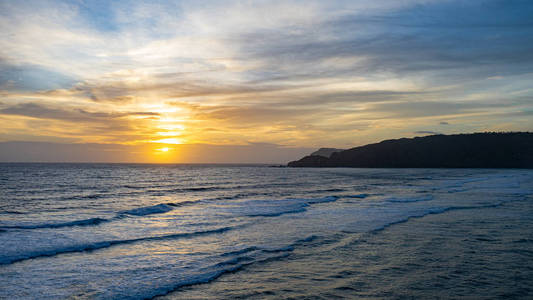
(255, 81)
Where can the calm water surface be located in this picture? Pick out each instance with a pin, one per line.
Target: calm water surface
(98, 231)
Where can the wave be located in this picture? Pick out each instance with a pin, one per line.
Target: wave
(166, 189)
(14, 212)
(210, 276)
(457, 190)
(84, 197)
(409, 199)
(110, 243)
(321, 200)
(202, 189)
(183, 203)
(86, 222)
(359, 196)
(234, 261)
(252, 208)
(306, 240)
(148, 210)
(181, 190)
(264, 208)
(274, 208)
(232, 265)
(141, 211)
(241, 251)
(231, 261)
(213, 272)
(330, 190)
(277, 213)
(435, 211)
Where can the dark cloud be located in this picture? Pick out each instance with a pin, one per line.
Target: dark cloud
(114, 127)
(456, 39)
(444, 123)
(35, 110)
(426, 132)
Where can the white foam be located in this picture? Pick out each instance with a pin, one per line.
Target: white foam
(144, 211)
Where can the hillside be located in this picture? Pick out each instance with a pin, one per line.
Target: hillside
(476, 150)
(326, 152)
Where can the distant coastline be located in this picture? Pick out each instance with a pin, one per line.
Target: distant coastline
(475, 150)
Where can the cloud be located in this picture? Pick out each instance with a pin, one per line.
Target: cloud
(118, 90)
(308, 73)
(434, 38)
(426, 132)
(73, 115)
(80, 124)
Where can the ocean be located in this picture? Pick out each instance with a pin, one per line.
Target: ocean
(136, 231)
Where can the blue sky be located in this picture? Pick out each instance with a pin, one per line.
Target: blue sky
(287, 73)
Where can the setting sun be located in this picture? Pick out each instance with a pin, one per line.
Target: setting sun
(164, 149)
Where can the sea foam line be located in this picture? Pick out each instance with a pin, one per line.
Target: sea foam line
(110, 243)
(435, 211)
(213, 272)
(86, 222)
(167, 207)
(233, 265)
(141, 211)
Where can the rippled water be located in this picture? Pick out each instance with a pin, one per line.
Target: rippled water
(141, 231)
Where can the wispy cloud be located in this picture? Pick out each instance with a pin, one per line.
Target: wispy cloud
(74, 115)
(426, 132)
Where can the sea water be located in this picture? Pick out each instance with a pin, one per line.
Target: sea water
(120, 231)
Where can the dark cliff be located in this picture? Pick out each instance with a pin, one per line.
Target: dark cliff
(477, 150)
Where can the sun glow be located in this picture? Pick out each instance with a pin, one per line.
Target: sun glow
(164, 154)
(175, 141)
